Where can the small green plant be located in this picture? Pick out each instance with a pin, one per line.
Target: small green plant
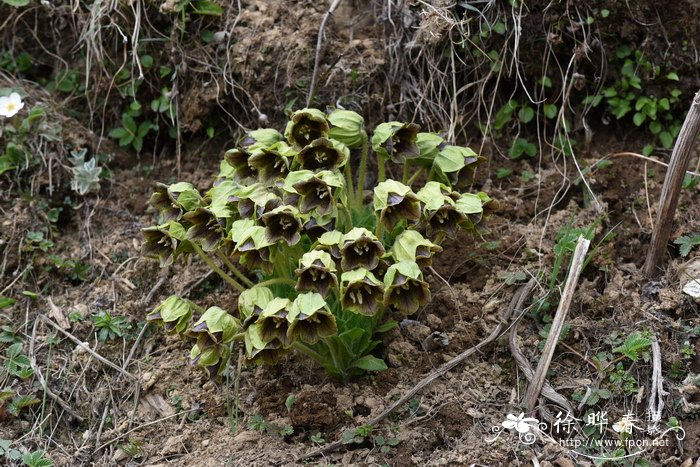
(37, 459)
(86, 175)
(131, 133)
(687, 243)
(8, 452)
(75, 271)
(323, 264)
(257, 423)
(636, 346)
(626, 97)
(16, 363)
(110, 327)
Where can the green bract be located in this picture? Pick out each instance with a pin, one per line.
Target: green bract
(260, 138)
(314, 263)
(412, 246)
(216, 326)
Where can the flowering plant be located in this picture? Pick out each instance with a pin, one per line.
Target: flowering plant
(321, 266)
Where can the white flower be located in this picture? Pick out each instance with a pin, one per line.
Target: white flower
(520, 423)
(10, 105)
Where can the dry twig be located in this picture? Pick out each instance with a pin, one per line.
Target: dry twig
(672, 188)
(577, 262)
(319, 43)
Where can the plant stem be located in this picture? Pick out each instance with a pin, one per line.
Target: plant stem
(415, 176)
(348, 181)
(234, 269)
(379, 230)
(360, 194)
(277, 281)
(308, 351)
(232, 282)
(381, 170)
(406, 172)
(348, 217)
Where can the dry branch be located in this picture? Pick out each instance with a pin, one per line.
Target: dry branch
(672, 188)
(516, 304)
(533, 391)
(317, 58)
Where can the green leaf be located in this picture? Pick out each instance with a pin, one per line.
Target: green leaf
(639, 118)
(634, 344)
(666, 139)
(673, 76)
(526, 114)
(16, 3)
(369, 363)
(137, 143)
(550, 110)
(388, 326)
(205, 7)
(118, 133)
(6, 302)
(129, 123)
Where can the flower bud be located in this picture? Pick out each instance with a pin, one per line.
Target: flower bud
(254, 249)
(213, 359)
(173, 314)
(348, 127)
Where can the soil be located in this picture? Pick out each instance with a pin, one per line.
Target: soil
(172, 414)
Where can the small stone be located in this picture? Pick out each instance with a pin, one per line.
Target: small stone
(205, 443)
(119, 455)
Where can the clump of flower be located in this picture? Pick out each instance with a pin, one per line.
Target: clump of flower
(320, 267)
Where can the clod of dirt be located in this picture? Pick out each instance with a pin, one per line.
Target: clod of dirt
(314, 409)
